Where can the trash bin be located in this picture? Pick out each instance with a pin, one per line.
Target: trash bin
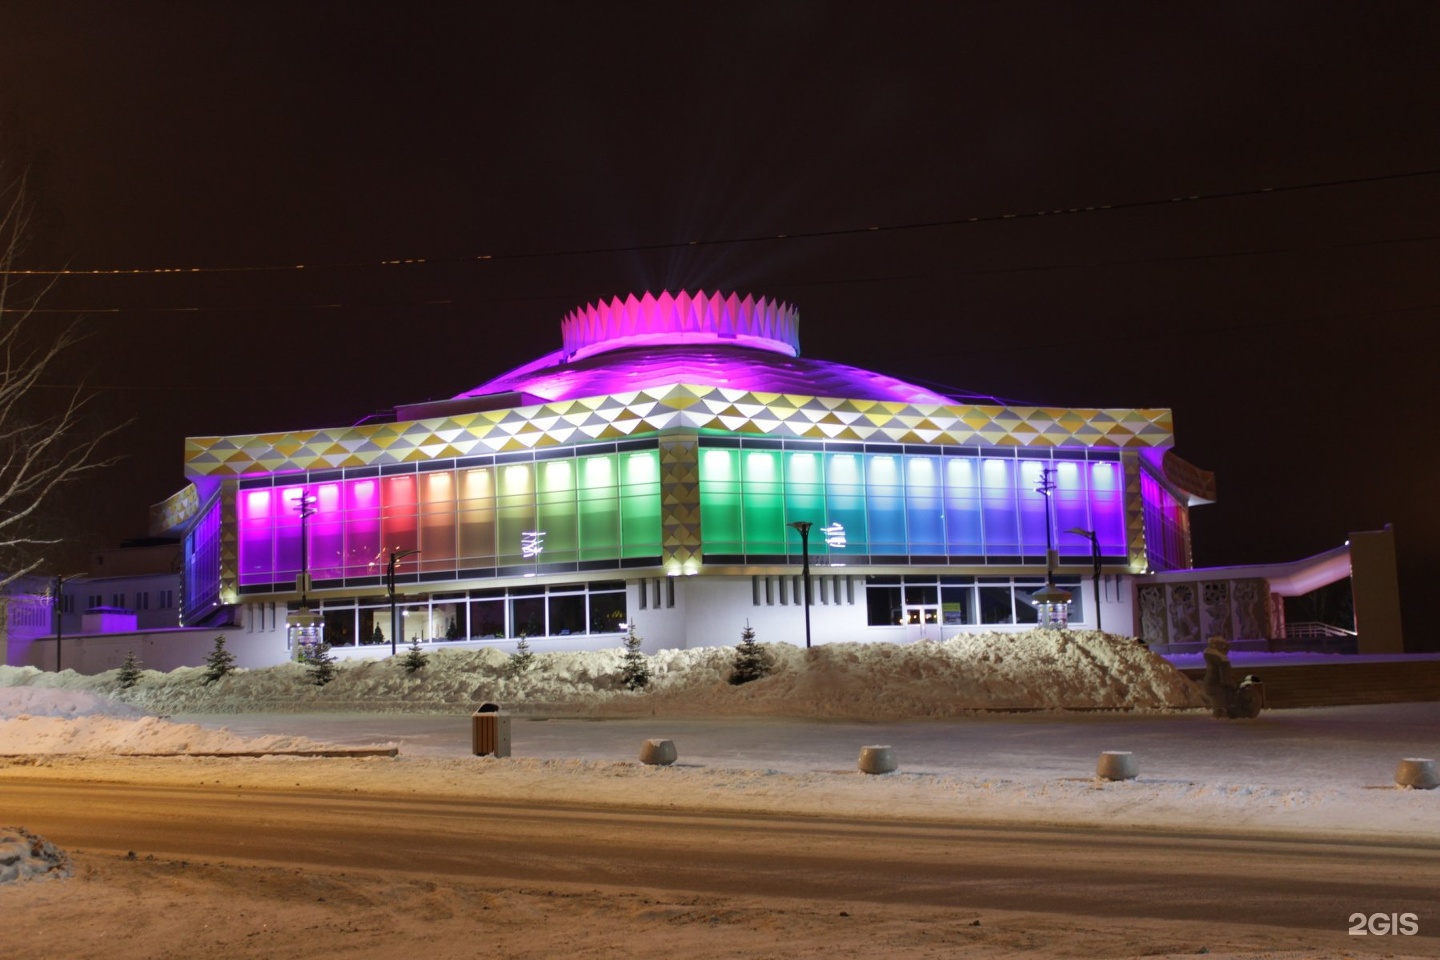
(491, 731)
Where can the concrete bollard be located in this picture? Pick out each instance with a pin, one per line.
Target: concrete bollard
(658, 753)
(877, 759)
(1117, 765)
(1417, 772)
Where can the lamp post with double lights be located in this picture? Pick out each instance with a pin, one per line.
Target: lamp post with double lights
(304, 628)
(803, 528)
(395, 557)
(1054, 602)
(305, 506)
(1095, 564)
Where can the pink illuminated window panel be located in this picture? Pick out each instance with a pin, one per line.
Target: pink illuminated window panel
(398, 514)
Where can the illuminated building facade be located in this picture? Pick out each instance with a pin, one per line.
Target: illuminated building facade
(649, 471)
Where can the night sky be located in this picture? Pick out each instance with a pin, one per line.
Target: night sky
(593, 149)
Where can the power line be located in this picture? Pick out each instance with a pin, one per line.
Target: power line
(726, 241)
(889, 278)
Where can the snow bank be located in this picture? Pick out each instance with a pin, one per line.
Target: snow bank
(24, 856)
(1036, 670)
(59, 702)
(50, 720)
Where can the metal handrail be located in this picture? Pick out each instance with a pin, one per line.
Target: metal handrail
(1312, 628)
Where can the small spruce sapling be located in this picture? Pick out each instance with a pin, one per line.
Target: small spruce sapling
(219, 662)
(522, 659)
(414, 659)
(635, 671)
(320, 663)
(129, 674)
(750, 660)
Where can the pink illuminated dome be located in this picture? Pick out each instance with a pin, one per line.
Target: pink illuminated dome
(703, 339)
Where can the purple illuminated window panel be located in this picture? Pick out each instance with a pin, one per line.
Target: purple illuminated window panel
(1072, 508)
(997, 484)
(1107, 506)
(963, 532)
(286, 516)
(257, 536)
(1032, 507)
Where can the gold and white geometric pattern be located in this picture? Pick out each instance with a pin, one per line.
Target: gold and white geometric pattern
(676, 407)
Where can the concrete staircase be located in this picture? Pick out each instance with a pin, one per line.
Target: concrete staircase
(1337, 684)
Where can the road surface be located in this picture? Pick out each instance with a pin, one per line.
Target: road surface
(1269, 891)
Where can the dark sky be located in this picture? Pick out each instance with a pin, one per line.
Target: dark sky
(585, 145)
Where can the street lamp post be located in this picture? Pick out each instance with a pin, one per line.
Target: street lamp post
(1054, 602)
(1094, 539)
(305, 506)
(395, 557)
(59, 605)
(803, 528)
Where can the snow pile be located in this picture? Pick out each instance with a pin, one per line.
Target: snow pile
(24, 856)
(50, 702)
(1036, 670)
(40, 720)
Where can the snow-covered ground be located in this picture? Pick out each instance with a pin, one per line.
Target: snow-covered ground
(1004, 729)
(786, 743)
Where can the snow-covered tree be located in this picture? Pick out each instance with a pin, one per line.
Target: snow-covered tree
(45, 443)
(129, 673)
(219, 662)
(522, 659)
(635, 670)
(320, 663)
(414, 658)
(750, 660)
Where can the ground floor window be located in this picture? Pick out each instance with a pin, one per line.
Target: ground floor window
(960, 600)
(555, 610)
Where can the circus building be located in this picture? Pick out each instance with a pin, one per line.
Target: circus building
(660, 469)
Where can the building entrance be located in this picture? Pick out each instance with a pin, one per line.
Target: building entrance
(922, 622)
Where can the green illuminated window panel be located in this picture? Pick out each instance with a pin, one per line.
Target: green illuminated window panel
(598, 503)
(721, 513)
(555, 502)
(515, 510)
(763, 502)
(640, 532)
(805, 493)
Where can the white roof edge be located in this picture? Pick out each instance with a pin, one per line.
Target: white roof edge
(1292, 579)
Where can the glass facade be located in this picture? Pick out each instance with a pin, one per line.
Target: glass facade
(902, 505)
(597, 509)
(1167, 527)
(961, 600)
(532, 610)
(200, 592)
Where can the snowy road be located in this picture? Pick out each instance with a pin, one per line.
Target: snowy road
(1127, 876)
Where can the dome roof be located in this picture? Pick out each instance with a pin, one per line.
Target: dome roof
(700, 339)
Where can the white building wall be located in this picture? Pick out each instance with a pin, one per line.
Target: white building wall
(707, 611)
(718, 608)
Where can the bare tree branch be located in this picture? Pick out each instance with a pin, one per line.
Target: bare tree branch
(42, 446)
